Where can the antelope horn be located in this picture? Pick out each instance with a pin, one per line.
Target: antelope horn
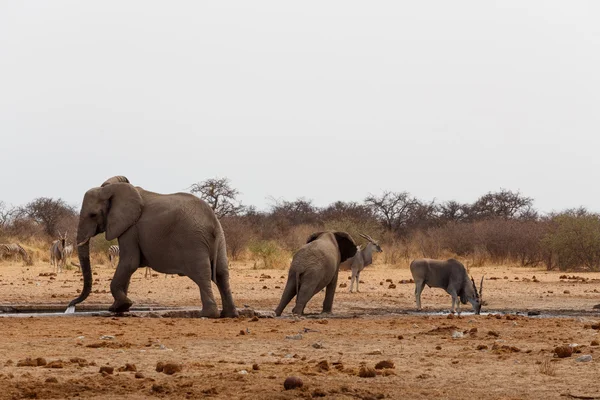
(369, 238)
(115, 179)
(481, 287)
(473, 282)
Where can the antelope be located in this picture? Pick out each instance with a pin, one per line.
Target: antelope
(57, 252)
(362, 259)
(450, 275)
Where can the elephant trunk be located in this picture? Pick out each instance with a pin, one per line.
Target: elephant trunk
(86, 269)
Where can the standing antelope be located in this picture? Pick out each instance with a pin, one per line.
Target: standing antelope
(450, 275)
(57, 253)
(12, 249)
(362, 259)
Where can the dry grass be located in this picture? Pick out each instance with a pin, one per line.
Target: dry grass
(547, 367)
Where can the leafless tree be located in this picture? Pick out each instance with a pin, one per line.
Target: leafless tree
(238, 234)
(503, 204)
(49, 213)
(7, 214)
(392, 208)
(453, 211)
(219, 194)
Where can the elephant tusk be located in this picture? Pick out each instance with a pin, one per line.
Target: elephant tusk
(84, 242)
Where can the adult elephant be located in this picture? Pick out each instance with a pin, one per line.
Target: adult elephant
(314, 267)
(173, 234)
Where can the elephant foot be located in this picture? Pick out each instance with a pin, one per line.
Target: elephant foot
(210, 313)
(229, 313)
(120, 306)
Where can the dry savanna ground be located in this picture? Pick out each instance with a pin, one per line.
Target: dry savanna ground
(497, 356)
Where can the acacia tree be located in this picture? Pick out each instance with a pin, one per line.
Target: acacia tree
(504, 204)
(219, 194)
(49, 213)
(393, 209)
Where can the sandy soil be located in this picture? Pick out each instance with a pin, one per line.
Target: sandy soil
(367, 328)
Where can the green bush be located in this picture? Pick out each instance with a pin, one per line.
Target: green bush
(269, 253)
(574, 241)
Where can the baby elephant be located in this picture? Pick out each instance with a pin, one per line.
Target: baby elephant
(314, 267)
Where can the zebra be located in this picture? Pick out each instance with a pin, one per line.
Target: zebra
(58, 256)
(12, 249)
(113, 253)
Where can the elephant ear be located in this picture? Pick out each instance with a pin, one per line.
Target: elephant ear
(115, 179)
(314, 236)
(346, 245)
(124, 209)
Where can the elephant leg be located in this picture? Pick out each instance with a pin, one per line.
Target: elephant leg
(419, 286)
(288, 294)
(308, 287)
(119, 285)
(222, 275)
(201, 275)
(330, 293)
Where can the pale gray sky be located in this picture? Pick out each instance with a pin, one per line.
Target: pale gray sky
(329, 100)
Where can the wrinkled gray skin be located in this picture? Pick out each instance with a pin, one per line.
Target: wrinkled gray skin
(450, 275)
(314, 267)
(173, 234)
(362, 259)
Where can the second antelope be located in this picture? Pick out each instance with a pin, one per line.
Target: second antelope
(450, 275)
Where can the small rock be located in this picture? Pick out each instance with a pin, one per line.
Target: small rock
(292, 382)
(51, 380)
(392, 286)
(586, 358)
(438, 347)
(375, 353)
(243, 372)
(294, 337)
(457, 335)
(171, 368)
(255, 367)
(385, 364)
(450, 316)
(567, 292)
(160, 366)
(482, 347)
(107, 337)
(107, 369)
(367, 372)
(494, 333)
(323, 365)
(343, 285)
(55, 364)
(139, 375)
(594, 343)
(400, 337)
(317, 345)
(563, 351)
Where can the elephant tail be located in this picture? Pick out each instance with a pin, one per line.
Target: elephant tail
(215, 255)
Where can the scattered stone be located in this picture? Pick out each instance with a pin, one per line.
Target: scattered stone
(55, 364)
(158, 388)
(255, 367)
(28, 362)
(563, 351)
(139, 375)
(375, 353)
(482, 347)
(473, 330)
(128, 367)
(457, 335)
(567, 292)
(254, 319)
(392, 286)
(438, 347)
(323, 365)
(51, 380)
(171, 368)
(243, 372)
(292, 382)
(385, 364)
(343, 285)
(367, 372)
(494, 333)
(317, 345)
(400, 337)
(594, 343)
(294, 337)
(105, 369)
(107, 337)
(586, 358)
